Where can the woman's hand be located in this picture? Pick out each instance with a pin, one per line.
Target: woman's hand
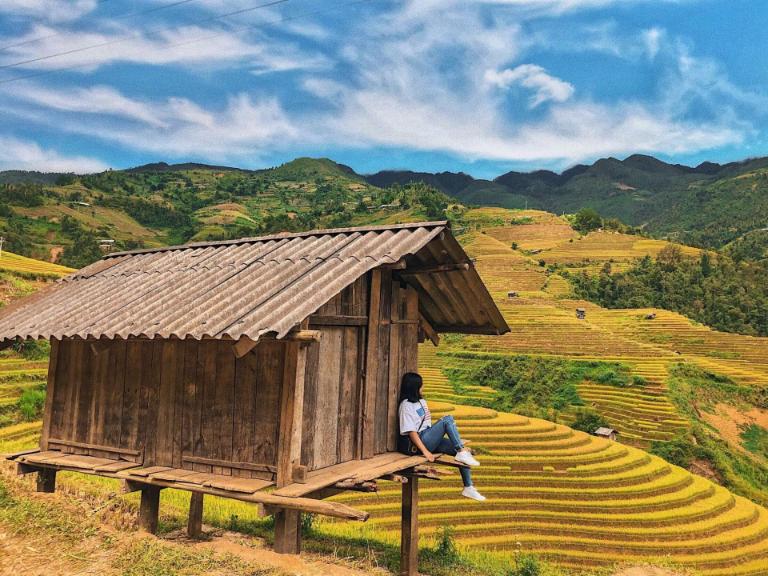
(429, 456)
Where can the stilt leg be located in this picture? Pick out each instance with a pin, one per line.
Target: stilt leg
(46, 480)
(149, 509)
(409, 528)
(195, 521)
(288, 532)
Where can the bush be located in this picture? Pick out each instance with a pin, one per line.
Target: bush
(678, 451)
(31, 404)
(588, 421)
(445, 549)
(526, 565)
(33, 349)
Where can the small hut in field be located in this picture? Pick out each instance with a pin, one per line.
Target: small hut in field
(262, 369)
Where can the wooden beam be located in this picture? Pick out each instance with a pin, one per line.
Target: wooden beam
(195, 518)
(99, 447)
(229, 464)
(409, 528)
(338, 320)
(353, 485)
(333, 509)
(49, 392)
(413, 270)
(129, 486)
(300, 474)
(245, 344)
(429, 331)
(291, 413)
(149, 508)
(368, 434)
(399, 265)
(288, 521)
(46, 480)
(24, 469)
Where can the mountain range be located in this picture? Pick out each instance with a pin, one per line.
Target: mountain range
(709, 205)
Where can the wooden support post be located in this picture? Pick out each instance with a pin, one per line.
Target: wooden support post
(368, 433)
(46, 480)
(409, 528)
(288, 522)
(288, 531)
(195, 520)
(149, 508)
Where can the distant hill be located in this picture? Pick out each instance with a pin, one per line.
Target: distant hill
(69, 216)
(24, 176)
(165, 167)
(708, 205)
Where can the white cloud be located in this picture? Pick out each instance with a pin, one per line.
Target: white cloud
(19, 154)
(50, 10)
(187, 45)
(96, 100)
(177, 126)
(652, 40)
(545, 86)
(425, 87)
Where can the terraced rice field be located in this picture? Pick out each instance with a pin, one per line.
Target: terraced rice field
(16, 376)
(580, 501)
(577, 500)
(14, 263)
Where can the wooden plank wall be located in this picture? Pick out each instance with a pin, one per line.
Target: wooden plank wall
(184, 404)
(189, 404)
(352, 376)
(333, 378)
(398, 350)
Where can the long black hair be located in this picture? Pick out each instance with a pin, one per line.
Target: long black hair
(410, 387)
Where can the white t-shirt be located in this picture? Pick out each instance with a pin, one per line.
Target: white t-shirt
(414, 416)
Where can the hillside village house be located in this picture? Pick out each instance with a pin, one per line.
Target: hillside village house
(262, 369)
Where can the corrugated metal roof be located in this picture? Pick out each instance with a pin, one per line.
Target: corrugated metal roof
(248, 287)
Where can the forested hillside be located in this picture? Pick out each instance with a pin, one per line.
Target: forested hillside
(709, 205)
(160, 204)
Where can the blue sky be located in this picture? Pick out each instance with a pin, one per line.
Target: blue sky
(479, 86)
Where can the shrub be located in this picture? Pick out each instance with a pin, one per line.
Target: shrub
(33, 349)
(445, 548)
(526, 565)
(588, 421)
(678, 451)
(31, 403)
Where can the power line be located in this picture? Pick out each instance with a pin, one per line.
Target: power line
(118, 17)
(137, 35)
(202, 38)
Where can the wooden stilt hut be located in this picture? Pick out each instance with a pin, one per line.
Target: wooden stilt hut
(262, 369)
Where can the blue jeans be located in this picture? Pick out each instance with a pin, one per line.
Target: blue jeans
(435, 440)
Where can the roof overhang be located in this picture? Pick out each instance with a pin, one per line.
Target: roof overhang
(254, 286)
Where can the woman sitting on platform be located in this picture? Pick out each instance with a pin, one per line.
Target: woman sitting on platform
(418, 435)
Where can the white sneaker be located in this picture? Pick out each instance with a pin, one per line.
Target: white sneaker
(471, 492)
(465, 457)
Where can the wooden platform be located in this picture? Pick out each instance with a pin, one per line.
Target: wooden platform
(357, 474)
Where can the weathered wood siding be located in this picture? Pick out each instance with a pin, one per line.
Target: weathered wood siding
(185, 404)
(353, 374)
(333, 379)
(190, 404)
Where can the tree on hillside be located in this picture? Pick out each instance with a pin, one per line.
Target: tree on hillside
(587, 220)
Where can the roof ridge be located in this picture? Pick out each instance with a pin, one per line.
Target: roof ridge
(281, 236)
